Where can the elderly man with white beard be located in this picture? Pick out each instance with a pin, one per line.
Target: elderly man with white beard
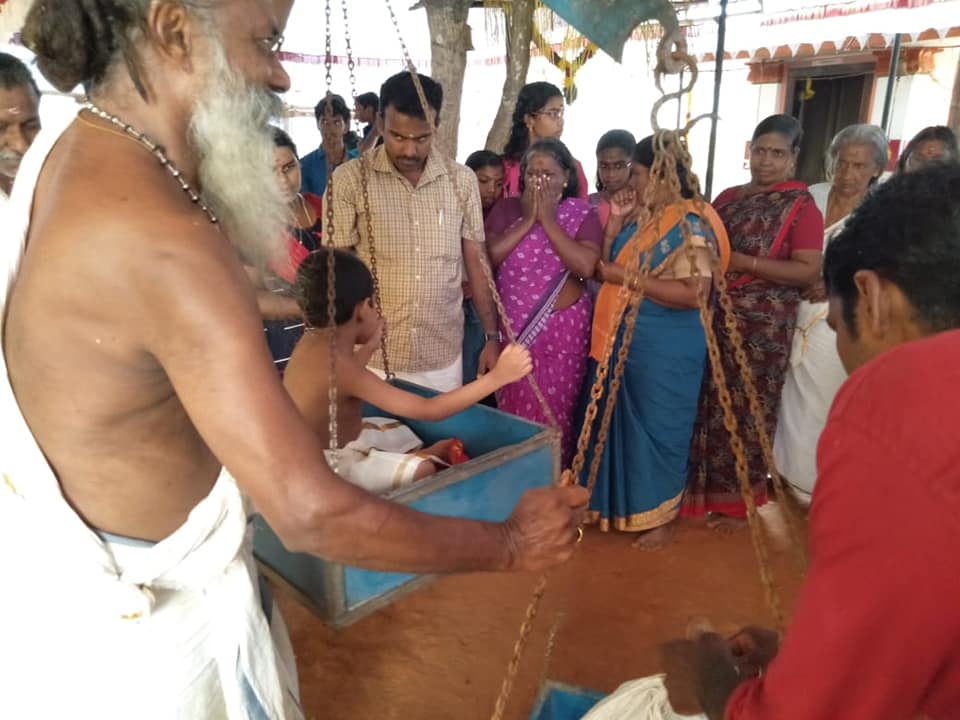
(129, 586)
(19, 118)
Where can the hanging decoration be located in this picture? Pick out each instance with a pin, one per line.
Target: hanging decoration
(569, 67)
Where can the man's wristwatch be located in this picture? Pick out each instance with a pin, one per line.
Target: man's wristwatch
(491, 337)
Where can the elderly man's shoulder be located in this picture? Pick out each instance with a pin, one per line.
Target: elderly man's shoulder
(162, 225)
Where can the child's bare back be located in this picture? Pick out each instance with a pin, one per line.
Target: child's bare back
(307, 379)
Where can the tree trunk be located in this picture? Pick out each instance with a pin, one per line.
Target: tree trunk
(449, 42)
(519, 22)
(954, 119)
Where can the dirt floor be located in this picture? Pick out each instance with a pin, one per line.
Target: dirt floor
(441, 652)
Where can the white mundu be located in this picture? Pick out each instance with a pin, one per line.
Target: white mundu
(115, 628)
(642, 699)
(814, 376)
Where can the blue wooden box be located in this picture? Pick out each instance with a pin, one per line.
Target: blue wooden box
(508, 456)
(558, 701)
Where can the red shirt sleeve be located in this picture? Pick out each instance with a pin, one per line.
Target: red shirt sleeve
(807, 231)
(875, 624)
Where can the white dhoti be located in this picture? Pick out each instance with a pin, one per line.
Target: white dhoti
(381, 459)
(814, 376)
(642, 699)
(442, 380)
(118, 629)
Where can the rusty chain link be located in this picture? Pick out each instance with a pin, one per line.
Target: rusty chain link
(331, 264)
(670, 149)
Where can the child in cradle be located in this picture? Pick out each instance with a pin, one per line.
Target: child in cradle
(379, 454)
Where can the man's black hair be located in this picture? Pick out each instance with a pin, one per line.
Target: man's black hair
(354, 285)
(400, 93)
(483, 158)
(368, 100)
(907, 230)
(338, 106)
(14, 73)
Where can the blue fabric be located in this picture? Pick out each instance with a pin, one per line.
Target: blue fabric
(643, 471)
(474, 339)
(313, 170)
(609, 24)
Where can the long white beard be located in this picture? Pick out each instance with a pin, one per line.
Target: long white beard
(230, 133)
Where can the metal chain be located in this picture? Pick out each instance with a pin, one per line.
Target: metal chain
(371, 246)
(331, 263)
(351, 64)
(759, 416)
(364, 187)
(670, 150)
(328, 47)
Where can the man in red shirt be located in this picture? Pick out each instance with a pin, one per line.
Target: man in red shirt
(876, 630)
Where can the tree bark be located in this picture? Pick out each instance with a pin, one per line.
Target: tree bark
(449, 43)
(954, 119)
(519, 22)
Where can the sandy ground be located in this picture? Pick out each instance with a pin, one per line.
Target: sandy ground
(441, 653)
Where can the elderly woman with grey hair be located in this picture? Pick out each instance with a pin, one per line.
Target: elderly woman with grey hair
(855, 161)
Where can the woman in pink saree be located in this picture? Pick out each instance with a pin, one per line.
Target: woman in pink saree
(542, 245)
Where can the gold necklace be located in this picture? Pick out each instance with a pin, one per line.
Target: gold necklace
(158, 153)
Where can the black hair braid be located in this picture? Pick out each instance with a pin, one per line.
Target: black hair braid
(532, 98)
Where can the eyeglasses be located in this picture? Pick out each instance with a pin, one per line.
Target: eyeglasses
(556, 114)
(271, 45)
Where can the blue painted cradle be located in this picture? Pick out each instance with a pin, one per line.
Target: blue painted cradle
(558, 701)
(509, 455)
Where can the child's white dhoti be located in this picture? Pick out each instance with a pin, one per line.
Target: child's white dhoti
(381, 459)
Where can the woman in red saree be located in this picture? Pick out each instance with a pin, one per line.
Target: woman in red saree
(776, 238)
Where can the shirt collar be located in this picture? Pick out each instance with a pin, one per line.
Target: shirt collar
(434, 168)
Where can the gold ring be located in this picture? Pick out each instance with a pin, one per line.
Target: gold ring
(579, 534)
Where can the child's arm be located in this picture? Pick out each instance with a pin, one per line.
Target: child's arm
(514, 364)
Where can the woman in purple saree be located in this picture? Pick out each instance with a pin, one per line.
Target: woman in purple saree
(542, 245)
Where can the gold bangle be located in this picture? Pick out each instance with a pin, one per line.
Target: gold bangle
(755, 258)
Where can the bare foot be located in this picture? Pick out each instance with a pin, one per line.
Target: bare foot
(655, 539)
(425, 469)
(440, 450)
(725, 524)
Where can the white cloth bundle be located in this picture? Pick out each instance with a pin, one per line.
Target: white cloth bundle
(167, 630)
(642, 699)
(381, 459)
